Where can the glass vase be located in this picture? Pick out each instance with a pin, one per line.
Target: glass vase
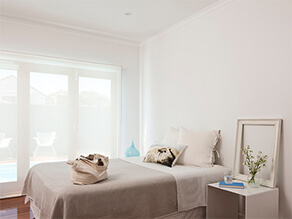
(132, 151)
(253, 180)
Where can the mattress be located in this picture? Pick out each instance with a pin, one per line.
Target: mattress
(133, 190)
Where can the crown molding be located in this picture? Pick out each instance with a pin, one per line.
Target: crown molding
(85, 32)
(12, 56)
(215, 6)
(74, 30)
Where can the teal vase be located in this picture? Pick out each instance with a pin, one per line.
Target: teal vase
(132, 151)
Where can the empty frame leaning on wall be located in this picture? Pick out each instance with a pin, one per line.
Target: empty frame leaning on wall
(263, 135)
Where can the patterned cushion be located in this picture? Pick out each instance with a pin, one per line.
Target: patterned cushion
(164, 154)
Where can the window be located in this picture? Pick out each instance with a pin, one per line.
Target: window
(54, 110)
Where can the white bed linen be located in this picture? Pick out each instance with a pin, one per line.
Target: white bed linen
(191, 181)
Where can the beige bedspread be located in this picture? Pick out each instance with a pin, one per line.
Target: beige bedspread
(191, 181)
(131, 191)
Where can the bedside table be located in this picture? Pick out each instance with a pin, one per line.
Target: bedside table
(262, 202)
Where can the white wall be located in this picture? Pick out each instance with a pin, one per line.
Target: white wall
(234, 62)
(18, 37)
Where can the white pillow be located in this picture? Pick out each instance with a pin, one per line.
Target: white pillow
(171, 136)
(201, 145)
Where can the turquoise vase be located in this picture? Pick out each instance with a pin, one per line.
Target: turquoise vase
(132, 151)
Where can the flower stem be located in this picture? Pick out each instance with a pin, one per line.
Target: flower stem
(252, 179)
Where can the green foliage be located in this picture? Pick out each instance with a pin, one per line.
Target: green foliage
(254, 166)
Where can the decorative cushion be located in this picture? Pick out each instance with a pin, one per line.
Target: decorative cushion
(171, 136)
(201, 147)
(164, 154)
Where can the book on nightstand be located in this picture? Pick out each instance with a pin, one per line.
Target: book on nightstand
(235, 185)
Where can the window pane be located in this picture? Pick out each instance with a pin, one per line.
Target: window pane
(8, 125)
(95, 116)
(48, 117)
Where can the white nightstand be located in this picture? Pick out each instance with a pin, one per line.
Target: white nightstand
(262, 202)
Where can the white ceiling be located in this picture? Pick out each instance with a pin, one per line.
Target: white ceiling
(106, 16)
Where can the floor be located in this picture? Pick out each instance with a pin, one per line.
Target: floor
(15, 208)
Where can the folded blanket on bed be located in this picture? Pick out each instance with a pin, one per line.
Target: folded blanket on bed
(89, 170)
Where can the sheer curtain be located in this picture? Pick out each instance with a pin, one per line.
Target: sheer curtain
(53, 110)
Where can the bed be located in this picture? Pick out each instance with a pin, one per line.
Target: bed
(134, 189)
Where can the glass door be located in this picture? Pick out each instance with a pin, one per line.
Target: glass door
(8, 126)
(98, 117)
(95, 112)
(10, 174)
(48, 117)
(54, 110)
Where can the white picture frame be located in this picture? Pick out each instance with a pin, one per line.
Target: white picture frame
(241, 123)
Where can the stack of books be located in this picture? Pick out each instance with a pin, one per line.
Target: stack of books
(235, 185)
